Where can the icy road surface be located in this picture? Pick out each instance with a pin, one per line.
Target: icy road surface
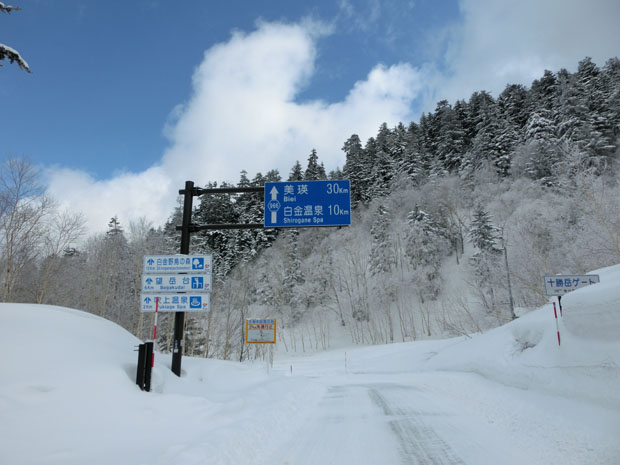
(439, 418)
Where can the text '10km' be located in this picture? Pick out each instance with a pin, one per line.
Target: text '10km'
(307, 203)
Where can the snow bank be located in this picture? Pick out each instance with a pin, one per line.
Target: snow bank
(68, 393)
(525, 353)
(593, 312)
(68, 396)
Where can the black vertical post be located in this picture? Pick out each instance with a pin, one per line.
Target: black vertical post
(148, 365)
(179, 317)
(141, 364)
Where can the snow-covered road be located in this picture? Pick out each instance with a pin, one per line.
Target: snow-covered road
(373, 424)
(440, 418)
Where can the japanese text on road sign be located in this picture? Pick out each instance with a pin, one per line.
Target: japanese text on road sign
(562, 284)
(307, 203)
(175, 302)
(177, 263)
(176, 282)
(260, 331)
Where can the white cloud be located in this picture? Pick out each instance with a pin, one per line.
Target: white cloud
(505, 41)
(243, 115)
(128, 196)
(243, 112)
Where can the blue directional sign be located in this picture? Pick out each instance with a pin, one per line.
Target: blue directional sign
(175, 302)
(177, 263)
(297, 204)
(176, 282)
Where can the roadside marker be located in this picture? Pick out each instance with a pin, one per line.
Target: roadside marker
(556, 322)
(155, 329)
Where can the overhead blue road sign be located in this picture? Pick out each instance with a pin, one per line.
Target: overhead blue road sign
(177, 263)
(299, 204)
(175, 302)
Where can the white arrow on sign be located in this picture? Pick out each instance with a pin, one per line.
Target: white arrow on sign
(274, 196)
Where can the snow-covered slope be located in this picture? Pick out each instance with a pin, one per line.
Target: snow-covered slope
(68, 395)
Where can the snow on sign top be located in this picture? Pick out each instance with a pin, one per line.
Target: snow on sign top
(177, 263)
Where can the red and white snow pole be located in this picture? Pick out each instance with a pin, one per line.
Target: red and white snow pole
(155, 329)
(557, 327)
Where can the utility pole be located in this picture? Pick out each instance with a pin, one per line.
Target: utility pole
(512, 305)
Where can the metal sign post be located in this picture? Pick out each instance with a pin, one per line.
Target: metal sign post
(179, 317)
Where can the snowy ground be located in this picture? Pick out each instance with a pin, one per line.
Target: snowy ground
(509, 396)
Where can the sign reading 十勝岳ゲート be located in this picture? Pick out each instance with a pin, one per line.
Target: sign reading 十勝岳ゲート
(298, 204)
(562, 284)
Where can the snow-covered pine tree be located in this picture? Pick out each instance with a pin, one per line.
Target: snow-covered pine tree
(484, 236)
(426, 244)
(314, 170)
(355, 169)
(542, 148)
(297, 172)
(450, 145)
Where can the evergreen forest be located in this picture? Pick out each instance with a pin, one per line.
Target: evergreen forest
(456, 219)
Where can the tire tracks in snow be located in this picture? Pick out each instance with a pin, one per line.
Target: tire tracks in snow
(418, 442)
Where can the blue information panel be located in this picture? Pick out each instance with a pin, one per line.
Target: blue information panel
(177, 263)
(176, 282)
(298, 204)
(175, 302)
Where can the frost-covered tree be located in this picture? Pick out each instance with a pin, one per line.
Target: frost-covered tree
(314, 170)
(541, 148)
(450, 136)
(382, 258)
(426, 245)
(293, 275)
(356, 169)
(484, 236)
(297, 172)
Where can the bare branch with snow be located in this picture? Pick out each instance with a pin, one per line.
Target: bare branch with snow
(8, 8)
(13, 56)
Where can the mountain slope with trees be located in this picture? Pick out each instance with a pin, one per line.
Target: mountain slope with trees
(456, 219)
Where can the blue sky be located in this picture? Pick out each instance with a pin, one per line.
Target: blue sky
(127, 100)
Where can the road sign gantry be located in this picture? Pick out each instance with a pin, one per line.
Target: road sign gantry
(325, 205)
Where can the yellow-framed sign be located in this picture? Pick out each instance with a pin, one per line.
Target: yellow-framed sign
(260, 331)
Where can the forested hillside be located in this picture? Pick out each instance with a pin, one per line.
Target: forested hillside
(456, 219)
